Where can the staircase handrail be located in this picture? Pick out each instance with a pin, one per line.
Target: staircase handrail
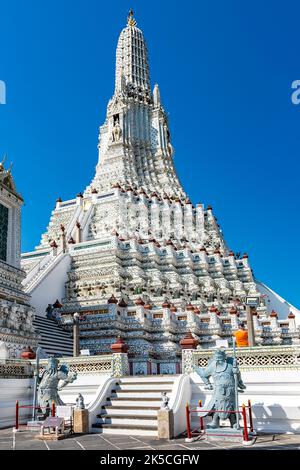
(37, 268)
(29, 286)
(86, 217)
(74, 218)
(103, 391)
(180, 395)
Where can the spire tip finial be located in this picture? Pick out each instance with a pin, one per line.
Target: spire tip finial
(131, 21)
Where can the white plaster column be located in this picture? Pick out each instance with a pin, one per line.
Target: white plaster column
(214, 321)
(78, 233)
(166, 312)
(63, 244)
(178, 219)
(140, 313)
(166, 218)
(79, 199)
(188, 220)
(233, 318)
(256, 324)
(154, 215)
(58, 203)
(112, 305)
(199, 223)
(292, 322)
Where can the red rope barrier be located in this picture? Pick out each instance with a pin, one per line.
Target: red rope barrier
(246, 436)
(198, 432)
(201, 418)
(17, 415)
(188, 424)
(53, 410)
(250, 415)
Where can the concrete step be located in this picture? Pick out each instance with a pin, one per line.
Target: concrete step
(56, 333)
(132, 429)
(135, 403)
(128, 411)
(61, 351)
(51, 329)
(162, 387)
(61, 347)
(124, 431)
(148, 378)
(140, 395)
(58, 352)
(127, 420)
(54, 339)
(44, 321)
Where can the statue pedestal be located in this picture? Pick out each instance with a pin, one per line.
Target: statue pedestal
(227, 434)
(34, 425)
(165, 422)
(81, 421)
(50, 437)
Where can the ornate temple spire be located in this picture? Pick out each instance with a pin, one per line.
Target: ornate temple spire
(134, 142)
(132, 59)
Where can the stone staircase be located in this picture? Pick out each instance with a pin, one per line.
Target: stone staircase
(54, 340)
(132, 407)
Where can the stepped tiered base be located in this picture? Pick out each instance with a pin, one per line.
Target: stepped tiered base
(133, 406)
(54, 340)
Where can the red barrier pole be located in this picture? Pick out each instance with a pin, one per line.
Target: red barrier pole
(17, 415)
(201, 419)
(246, 437)
(53, 409)
(250, 415)
(188, 425)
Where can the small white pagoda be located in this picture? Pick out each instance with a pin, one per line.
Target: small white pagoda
(16, 313)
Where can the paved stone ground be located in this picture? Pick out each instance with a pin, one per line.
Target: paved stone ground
(25, 441)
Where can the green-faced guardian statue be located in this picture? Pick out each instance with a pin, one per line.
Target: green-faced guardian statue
(53, 379)
(226, 378)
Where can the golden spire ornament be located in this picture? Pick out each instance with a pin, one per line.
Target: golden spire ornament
(2, 163)
(131, 21)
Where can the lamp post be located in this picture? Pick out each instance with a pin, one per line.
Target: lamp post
(36, 380)
(236, 390)
(250, 328)
(251, 302)
(76, 317)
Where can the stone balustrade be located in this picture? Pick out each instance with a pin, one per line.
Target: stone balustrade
(115, 365)
(15, 369)
(257, 358)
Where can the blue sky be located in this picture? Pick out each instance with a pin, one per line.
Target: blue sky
(224, 69)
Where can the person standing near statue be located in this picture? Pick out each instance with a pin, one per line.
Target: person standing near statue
(241, 336)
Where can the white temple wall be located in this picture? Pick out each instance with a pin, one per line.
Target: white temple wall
(277, 303)
(274, 395)
(87, 385)
(12, 390)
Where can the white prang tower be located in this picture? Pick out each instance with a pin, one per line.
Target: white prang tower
(133, 255)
